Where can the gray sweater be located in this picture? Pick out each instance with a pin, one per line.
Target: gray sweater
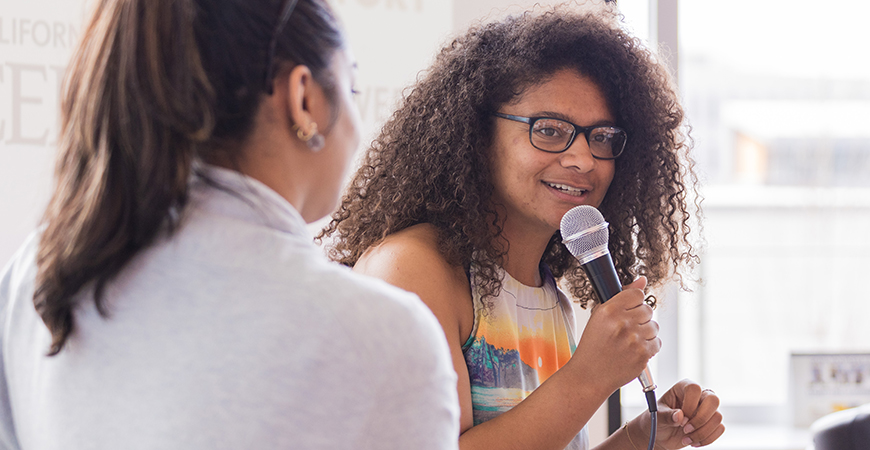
(234, 333)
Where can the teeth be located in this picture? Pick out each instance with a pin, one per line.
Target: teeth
(566, 189)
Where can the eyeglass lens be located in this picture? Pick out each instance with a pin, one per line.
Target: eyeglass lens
(554, 135)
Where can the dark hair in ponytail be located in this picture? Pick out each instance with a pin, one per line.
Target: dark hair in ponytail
(154, 86)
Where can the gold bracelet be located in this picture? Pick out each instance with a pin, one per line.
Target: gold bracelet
(629, 436)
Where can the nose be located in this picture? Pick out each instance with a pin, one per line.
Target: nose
(578, 155)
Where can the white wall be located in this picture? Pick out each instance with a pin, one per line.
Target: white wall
(392, 40)
(36, 39)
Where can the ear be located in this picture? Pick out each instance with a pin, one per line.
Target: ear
(306, 101)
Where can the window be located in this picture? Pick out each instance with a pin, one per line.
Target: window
(778, 96)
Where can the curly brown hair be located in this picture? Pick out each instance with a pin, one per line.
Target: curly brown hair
(429, 163)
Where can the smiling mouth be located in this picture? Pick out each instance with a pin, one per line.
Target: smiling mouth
(577, 192)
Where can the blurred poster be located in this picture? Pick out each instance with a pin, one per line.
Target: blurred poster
(825, 383)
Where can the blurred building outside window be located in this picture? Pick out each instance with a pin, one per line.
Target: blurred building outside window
(777, 94)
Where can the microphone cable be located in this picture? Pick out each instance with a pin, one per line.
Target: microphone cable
(653, 420)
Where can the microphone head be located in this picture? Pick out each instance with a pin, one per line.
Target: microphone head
(584, 232)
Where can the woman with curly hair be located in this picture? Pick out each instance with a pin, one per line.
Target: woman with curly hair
(460, 199)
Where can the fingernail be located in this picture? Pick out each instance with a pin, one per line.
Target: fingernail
(688, 429)
(696, 444)
(674, 417)
(687, 440)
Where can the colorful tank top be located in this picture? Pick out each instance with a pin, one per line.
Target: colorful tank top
(516, 344)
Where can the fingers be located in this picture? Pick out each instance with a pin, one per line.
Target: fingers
(621, 335)
(708, 404)
(671, 418)
(639, 283)
(707, 433)
(637, 312)
(678, 417)
(690, 399)
(650, 330)
(628, 313)
(632, 299)
(701, 421)
(705, 421)
(713, 436)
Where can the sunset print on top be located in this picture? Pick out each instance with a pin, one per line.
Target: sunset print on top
(517, 343)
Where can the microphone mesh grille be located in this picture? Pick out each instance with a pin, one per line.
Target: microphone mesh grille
(584, 232)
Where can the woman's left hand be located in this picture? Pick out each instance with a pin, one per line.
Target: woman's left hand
(687, 415)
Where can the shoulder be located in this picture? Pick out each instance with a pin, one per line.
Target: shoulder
(354, 292)
(420, 238)
(411, 260)
(410, 251)
(18, 275)
(362, 301)
(373, 316)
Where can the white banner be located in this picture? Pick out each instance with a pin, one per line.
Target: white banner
(391, 39)
(36, 40)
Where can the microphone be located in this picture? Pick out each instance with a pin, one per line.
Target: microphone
(585, 233)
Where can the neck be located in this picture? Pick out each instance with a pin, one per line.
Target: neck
(523, 258)
(275, 158)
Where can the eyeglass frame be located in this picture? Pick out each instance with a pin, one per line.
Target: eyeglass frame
(286, 12)
(585, 130)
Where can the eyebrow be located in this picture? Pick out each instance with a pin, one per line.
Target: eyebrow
(560, 116)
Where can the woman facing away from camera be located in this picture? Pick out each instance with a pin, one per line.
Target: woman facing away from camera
(172, 298)
(460, 200)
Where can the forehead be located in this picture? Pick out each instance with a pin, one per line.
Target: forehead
(568, 93)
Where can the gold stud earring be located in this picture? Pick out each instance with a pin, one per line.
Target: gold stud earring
(314, 140)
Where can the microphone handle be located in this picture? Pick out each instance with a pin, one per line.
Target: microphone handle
(605, 282)
(602, 275)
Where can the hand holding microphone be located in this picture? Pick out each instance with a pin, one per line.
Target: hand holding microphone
(585, 234)
(620, 337)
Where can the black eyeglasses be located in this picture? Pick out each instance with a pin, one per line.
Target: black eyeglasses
(556, 135)
(282, 22)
